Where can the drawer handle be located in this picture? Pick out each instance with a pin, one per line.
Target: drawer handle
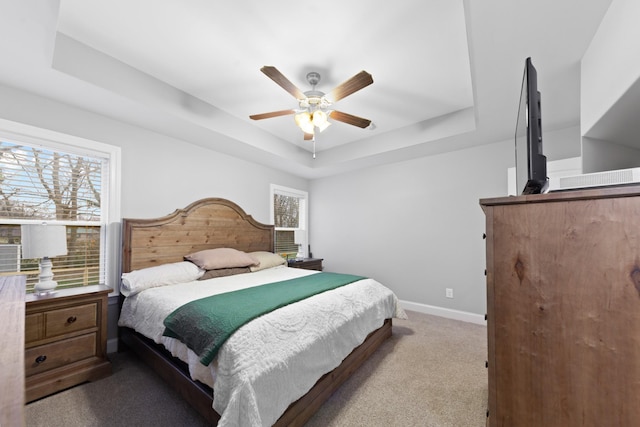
(71, 319)
(40, 359)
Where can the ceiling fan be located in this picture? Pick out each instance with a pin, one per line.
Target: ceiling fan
(314, 105)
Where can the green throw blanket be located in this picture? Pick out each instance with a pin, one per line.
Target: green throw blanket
(205, 324)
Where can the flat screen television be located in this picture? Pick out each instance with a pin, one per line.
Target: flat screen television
(531, 164)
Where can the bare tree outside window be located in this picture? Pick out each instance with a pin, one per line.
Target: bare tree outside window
(41, 184)
(286, 211)
(48, 185)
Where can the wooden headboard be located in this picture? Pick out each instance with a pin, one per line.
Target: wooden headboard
(204, 224)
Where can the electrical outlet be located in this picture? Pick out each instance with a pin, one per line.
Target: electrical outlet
(449, 293)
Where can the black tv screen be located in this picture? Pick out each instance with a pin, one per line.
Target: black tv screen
(531, 164)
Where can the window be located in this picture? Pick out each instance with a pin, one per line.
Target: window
(289, 215)
(48, 181)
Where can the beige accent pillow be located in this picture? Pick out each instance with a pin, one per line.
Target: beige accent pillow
(212, 259)
(266, 260)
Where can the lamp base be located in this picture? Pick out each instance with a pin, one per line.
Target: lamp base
(45, 288)
(46, 285)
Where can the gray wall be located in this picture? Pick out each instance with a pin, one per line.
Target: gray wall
(417, 225)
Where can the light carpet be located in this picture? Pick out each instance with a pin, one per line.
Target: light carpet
(430, 373)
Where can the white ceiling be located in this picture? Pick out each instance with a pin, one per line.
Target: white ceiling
(446, 72)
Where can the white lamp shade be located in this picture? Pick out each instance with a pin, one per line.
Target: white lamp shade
(43, 240)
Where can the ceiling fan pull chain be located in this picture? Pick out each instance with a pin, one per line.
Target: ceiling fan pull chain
(314, 146)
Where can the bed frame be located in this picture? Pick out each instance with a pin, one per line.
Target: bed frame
(206, 224)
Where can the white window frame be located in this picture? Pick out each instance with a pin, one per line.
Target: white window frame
(52, 140)
(302, 232)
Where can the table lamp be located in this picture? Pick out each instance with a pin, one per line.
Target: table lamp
(44, 241)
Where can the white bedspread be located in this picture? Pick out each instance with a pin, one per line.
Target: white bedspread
(275, 359)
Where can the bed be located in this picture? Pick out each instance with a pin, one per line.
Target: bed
(155, 244)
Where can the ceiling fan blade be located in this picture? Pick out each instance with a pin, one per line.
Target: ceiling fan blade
(282, 81)
(308, 136)
(354, 84)
(272, 114)
(350, 119)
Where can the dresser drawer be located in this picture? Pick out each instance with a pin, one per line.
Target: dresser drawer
(60, 353)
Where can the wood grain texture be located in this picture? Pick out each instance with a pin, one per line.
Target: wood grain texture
(66, 339)
(350, 119)
(307, 264)
(352, 85)
(564, 309)
(12, 296)
(205, 224)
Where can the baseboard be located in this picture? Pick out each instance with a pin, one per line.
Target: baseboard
(444, 312)
(112, 345)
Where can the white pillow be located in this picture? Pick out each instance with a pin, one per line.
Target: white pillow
(267, 260)
(161, 275)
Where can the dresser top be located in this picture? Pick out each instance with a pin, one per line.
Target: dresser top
(567, 195)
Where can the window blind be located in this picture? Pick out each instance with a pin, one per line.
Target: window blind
(42, 185)
(289, 219)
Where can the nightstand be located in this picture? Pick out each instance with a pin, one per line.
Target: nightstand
(307, 264)
(65, 339)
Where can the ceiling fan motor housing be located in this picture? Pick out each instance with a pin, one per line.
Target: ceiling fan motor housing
(314, 97)
(313, 78)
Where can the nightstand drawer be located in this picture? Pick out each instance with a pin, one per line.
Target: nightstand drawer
(50, 356)
(307, 264)
(54, 323)
(63, 321)
(33, 328)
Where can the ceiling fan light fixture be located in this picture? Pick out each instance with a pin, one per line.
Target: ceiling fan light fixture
(324, 103)
(302, 117)
(319, 119)
(314, 106)
(303, 120)
(323, 126)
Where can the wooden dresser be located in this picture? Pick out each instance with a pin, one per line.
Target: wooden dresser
(563, 308)
(65, 339)
(12, 294)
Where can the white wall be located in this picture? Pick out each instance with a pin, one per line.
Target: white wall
(159, 173)
(417, 226)
(611, 64)
(599, 156)
(561, 143)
